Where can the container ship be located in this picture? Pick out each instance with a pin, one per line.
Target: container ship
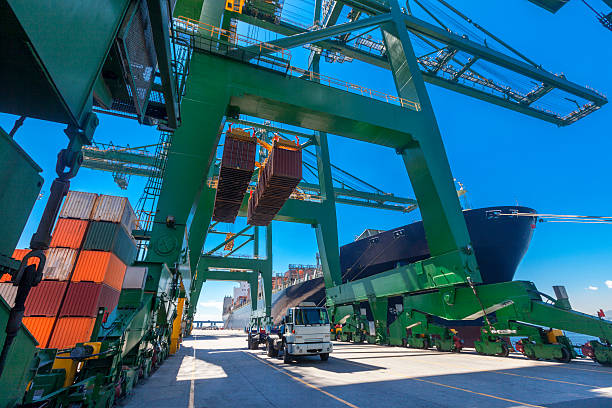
(499, 237)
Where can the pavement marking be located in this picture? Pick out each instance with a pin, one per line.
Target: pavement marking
(580, 369)
(192, 385)
(302, 381)
(477, 393)
(546, 379)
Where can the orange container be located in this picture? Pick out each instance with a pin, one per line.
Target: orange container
(68, 233)
(71, 330)
(40, 327)
(19, 254)
(99, 267)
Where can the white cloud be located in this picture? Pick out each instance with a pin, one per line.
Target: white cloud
(591, 287)
(609, 284)
(211, 304)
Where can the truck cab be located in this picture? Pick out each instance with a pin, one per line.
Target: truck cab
(305, 331)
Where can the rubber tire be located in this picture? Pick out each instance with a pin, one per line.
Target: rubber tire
(286, 355)
(567, 356)
(404, 343)
(324, 356)
(505, 351)
(426, 344)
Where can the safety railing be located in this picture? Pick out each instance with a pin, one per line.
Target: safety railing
(353, 88)
(203, 30)
(216, 40)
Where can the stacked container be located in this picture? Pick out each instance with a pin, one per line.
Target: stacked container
(90, 248)
(277, 180)
(106, 250)
(45, 300)
(237, 164)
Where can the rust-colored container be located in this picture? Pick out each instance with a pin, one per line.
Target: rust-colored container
(84, 298)
(114, 209)
(71, 330)
(99, 267)
(237, 164)
(8, 292)
(19, 254)
(40, 327)
(45, 298)
(60, 262)
(277, 180)
(78, 204)
(69, 233)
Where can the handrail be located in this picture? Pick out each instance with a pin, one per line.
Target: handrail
(264, 48)
(207, 28)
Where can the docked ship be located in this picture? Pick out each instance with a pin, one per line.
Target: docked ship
(500, 239)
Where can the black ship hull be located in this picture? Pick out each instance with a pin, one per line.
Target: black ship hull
(499, 241)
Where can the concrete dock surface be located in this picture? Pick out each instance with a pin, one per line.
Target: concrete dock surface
(213, 369)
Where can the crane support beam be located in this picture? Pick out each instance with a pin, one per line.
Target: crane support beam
(126, 157)
(160, 14)
(271, 95)
(426, 161)
(422, 27)
(310, 37)
(220, 262)
(228, 276)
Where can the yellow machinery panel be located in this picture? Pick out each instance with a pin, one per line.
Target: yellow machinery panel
(234, 5)
(176, 327)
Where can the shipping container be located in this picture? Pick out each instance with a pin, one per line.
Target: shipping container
(111, 237)
(45, 298)
(19, 254)
(60, 262)
(85, 298)
(40, 327)
(78, 204)
(71, 330)
(8, 293)
(135, 277)
(99, 267)
(114, 209)
(68, 233)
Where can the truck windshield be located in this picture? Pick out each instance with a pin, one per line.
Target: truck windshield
(310, 316)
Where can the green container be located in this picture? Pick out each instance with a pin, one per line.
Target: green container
(109, 236)
(18, 368)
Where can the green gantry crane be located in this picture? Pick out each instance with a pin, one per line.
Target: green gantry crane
(145, 59)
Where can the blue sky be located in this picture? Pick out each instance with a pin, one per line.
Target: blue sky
(500, 156)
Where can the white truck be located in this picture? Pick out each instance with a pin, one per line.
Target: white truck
(305, 331)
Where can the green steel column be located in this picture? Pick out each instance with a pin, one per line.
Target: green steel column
(254, 286)
(426, 160)
(212, 12)
(189, 159)
(188, 8)
(327, 226)
(379, 311)
(200, 223)
(266, 272)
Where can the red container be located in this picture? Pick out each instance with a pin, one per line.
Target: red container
(68, 233)
(45, 299)
(239, 150)
(84, 298)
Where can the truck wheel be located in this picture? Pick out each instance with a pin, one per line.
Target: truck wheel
(324, 356)
(286, 355)
(566, 356)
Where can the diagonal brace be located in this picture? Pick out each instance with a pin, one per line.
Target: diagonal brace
(317, 35)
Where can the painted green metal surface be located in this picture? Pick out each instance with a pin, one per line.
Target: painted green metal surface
(65, 63)
(189, 159)
(17, 372)
(19, 177)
